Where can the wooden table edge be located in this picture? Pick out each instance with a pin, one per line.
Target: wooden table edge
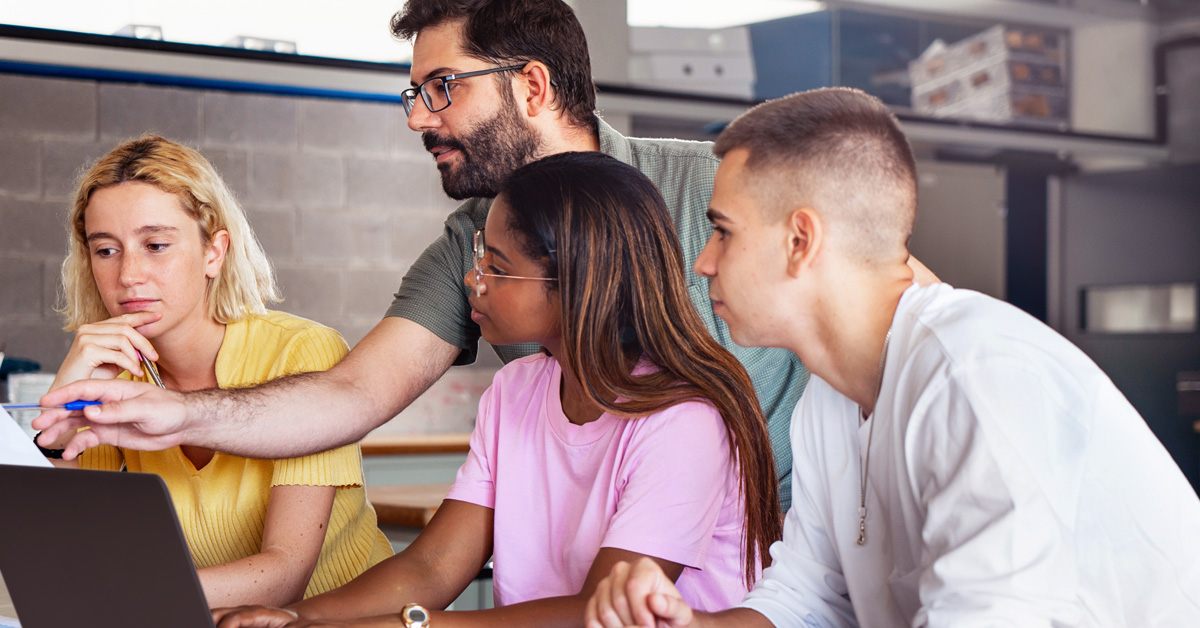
(411, 444)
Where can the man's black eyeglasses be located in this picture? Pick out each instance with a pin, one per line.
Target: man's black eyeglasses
(436, 93)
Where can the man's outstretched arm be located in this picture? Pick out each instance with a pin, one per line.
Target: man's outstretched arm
(293, 416)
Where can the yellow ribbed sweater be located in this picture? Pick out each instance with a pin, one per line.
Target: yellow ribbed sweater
(222, 506)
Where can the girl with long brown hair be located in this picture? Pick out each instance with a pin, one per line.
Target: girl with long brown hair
(634, 434)
(601, 228)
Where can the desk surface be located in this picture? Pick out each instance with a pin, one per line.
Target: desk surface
(6, 605)
(411, 506)
(405, 444)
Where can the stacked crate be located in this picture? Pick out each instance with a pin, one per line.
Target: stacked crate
(711, 62)
(1003, 75)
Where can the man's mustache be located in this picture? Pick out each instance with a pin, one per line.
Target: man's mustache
(432, 140)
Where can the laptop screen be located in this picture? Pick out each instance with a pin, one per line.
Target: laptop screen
(95, 548)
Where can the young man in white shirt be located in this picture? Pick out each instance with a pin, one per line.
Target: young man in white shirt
(957, 462)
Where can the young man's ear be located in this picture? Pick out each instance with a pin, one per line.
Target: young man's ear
(805, 234)
(535, 89)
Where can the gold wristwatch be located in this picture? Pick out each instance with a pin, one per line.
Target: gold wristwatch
(414, 616)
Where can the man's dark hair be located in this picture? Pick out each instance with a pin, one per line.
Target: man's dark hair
(838, 144)
(505, 32)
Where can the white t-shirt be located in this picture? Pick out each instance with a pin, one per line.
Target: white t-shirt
(1010, 484)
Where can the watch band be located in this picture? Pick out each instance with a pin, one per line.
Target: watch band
(55, 454)
(414, 616)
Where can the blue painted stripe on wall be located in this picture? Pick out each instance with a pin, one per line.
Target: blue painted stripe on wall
(62, 71)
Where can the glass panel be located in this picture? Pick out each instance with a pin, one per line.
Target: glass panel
(875, 50)
(355, 30)
(1140, 309)
(711, 13)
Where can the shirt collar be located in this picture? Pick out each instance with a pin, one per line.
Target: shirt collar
(613, 143)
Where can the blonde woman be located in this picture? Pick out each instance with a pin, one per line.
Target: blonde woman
(163, 263)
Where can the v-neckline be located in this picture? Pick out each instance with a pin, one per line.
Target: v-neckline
(192, 465)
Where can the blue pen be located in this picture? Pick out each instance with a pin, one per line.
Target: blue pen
(72, 405)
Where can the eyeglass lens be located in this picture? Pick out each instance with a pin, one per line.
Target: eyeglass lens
(480, 247)
(435, 95)
(433, 92)
(480, 251)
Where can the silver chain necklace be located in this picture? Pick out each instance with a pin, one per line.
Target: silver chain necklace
(865, 463)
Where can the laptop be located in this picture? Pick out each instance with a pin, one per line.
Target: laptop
(95, 548)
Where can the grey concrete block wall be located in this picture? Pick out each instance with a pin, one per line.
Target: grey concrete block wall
(32, 228)
(352, 127)
(48, 107)
(64, 162)
(21, 289)
(341, 193)
(250, 120)
(127, 111)
(20, 168)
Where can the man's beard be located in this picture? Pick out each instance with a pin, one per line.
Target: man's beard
(489, 153)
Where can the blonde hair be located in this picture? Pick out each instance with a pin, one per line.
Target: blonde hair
(245, 283)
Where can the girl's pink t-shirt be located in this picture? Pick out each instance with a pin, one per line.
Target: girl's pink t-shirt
(663, 485)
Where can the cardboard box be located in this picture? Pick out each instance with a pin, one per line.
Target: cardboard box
(999, 75)
(692, 60)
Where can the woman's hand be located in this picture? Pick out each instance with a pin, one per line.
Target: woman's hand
(263, 617)
(253, 617)
(102, 350)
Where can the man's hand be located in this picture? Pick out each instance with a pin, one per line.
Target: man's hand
(638, 595)
(135, 415)
(283, 418)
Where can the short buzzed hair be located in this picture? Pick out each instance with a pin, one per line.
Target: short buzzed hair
(840, 150)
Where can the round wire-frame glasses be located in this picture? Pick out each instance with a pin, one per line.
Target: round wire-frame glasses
(480, 252)
(435, 92)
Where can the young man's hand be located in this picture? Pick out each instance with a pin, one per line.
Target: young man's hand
(638, 595)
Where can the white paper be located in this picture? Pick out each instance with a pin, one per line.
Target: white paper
(15, 445)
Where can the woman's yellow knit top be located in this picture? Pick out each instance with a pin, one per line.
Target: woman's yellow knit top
(222, 506)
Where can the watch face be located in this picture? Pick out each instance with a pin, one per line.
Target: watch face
(415, 616)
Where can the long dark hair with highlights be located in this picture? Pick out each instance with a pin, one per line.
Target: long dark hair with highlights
(602, 228)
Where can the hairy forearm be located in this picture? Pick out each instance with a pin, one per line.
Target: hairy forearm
(289, 417)
(292, 416)
(311, 412)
